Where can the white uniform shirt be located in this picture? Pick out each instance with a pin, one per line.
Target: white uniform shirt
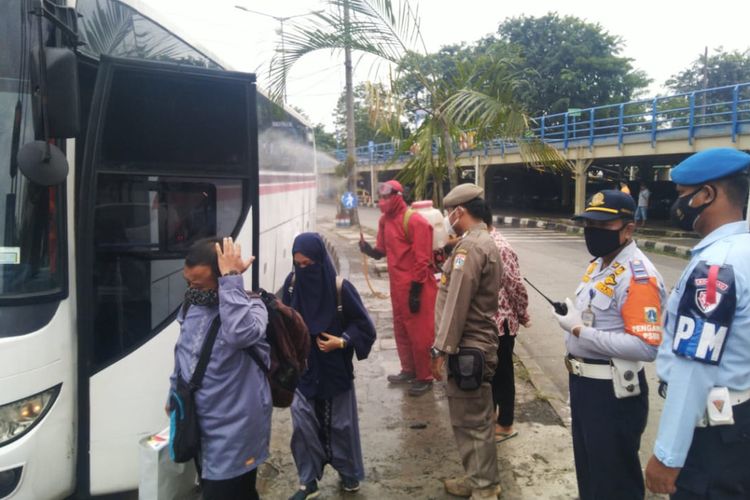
(626, 299)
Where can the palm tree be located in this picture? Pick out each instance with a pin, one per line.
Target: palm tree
(365, 26)
(474, 94)
(485, 103)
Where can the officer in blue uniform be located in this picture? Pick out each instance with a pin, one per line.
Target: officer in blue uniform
(613, 326)
(702, 448)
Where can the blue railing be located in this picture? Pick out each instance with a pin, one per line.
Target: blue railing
(722, 110)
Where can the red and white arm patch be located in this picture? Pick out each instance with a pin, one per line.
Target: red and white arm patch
(641, 311)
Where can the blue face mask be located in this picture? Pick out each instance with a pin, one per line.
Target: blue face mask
(197, 297)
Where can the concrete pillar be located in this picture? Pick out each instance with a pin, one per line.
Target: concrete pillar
(373, 185)
(480, 174)
(565, 190)
(581, 166)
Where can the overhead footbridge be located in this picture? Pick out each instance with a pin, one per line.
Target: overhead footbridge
(662, 130)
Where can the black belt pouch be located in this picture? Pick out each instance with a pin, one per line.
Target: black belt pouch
(467, 368)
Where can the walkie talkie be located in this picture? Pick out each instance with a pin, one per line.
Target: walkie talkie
(560, 308)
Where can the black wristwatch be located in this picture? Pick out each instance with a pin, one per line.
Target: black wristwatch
(231, 273)
(436, 353)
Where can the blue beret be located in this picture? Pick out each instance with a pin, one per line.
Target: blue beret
(710, 165)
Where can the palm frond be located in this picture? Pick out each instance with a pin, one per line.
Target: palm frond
(426, 162)
(541, 156)
(473, 109)
(371, 28)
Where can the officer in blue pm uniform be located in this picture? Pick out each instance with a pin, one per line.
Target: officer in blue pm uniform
(613, 327)
(702, 448)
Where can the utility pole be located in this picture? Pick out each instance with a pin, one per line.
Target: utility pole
(351, 158)
(281, 20)
(705, 78)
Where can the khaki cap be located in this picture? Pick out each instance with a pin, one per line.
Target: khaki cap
(462, 194)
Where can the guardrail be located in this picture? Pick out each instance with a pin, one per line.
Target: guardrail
(725, 110)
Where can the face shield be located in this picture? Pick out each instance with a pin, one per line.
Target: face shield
(385, 190)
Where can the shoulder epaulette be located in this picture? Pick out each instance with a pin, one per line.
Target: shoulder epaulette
(638, 268)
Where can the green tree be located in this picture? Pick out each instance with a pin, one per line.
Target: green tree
(717, 70)
(324, 141)
(576, 63)
(459, 91)
(364, 129)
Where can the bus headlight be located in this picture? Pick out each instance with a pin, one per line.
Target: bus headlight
(19, 417)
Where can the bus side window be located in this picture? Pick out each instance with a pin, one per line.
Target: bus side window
(143, 227)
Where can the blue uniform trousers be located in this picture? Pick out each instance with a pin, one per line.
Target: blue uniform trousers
(718, 463)
(606, 439)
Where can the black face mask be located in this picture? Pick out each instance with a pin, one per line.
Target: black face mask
(201, 297)
(601, 242)
(682, 214)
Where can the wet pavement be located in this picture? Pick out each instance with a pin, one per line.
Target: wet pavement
(407, 442)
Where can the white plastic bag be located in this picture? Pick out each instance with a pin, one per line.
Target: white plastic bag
(160, 477)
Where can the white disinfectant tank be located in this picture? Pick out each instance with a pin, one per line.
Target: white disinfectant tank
(435, 218)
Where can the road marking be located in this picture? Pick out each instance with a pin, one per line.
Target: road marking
(538, 236)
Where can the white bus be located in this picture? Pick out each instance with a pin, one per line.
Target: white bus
(170, 147)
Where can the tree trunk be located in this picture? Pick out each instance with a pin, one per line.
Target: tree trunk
(351, 158)
(450, 160)
(438, 193)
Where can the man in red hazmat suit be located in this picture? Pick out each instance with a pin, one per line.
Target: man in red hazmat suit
(405, 238)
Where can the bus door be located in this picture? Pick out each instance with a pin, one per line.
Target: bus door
(170, 157)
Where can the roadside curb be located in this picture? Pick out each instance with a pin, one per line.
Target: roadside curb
(648, 242)
(546, 389)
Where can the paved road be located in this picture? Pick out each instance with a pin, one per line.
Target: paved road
(555, 262)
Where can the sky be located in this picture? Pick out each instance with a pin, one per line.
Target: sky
(662, 37)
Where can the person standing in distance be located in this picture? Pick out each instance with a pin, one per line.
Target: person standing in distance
(641, 213)
(702, 448)
(612, 327)
(405, 238)
(467, 339)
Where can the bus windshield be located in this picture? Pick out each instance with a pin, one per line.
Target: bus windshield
(31, 238)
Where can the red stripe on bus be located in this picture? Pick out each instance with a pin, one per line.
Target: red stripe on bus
(285, 178)
(282, 188)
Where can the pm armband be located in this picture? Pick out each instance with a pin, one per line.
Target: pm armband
(705, 313)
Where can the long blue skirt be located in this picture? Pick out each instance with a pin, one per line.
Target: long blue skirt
(326, 431)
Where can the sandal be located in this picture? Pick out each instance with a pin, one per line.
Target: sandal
(504, 436)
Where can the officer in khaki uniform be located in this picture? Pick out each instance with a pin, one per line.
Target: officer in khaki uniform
(466, 340)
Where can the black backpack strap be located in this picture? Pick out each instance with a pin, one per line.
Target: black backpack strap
(339, 303)
(185, 307)
(205, 356)
(256, 357)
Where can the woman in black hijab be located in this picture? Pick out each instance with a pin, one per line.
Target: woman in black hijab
(324, 410)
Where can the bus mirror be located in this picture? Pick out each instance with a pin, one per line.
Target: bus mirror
(63, 114)
(42, 163)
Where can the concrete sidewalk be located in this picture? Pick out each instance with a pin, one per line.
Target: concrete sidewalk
(407, 442)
